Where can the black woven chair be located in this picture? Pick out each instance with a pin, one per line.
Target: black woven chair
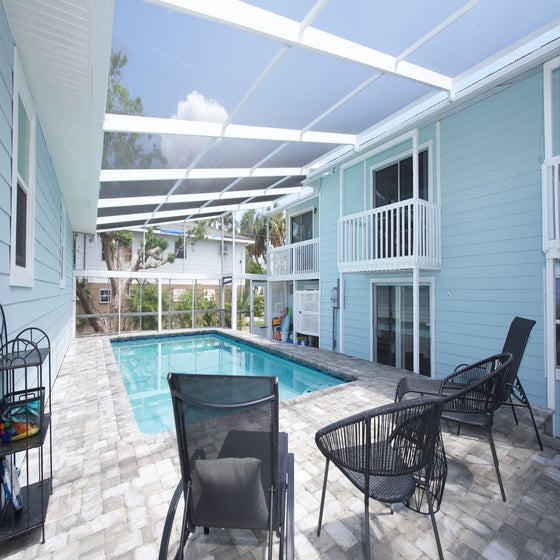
(392, 454)
(236, 471)
(514, 344)
(471, 395)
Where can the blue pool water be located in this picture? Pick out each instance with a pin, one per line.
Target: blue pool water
(145, 362)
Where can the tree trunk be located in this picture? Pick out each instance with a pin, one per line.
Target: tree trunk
(98, 324)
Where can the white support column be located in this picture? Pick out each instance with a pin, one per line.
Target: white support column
(233, 261)
(415, 271)
(550, 339)
(416, 319)
(159, 304)
(234, 301)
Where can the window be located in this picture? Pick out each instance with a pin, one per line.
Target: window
(302, 227)
(104, 295)
(23, 181)
(393, 327)
(393, 183)
(179, 250)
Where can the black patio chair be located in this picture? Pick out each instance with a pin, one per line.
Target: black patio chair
(236, 471)
(470, 395)
(514, 344)
(392, 454)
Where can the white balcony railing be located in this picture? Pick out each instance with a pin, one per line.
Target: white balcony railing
(295, 260)
(395, 237)
(551, 206)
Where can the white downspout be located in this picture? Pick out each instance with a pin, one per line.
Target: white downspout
(550, 339)
(415, 270)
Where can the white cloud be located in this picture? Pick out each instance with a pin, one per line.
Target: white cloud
(179, 150)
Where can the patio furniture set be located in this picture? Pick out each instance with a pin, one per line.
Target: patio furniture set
(237, 471)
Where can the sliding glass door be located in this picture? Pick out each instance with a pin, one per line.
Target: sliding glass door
(393, 326)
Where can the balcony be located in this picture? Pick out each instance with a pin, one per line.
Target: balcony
(399, 236)
(298, 260)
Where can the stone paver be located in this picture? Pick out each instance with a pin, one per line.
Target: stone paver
(112, 484)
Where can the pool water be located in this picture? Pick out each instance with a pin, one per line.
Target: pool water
(145, 362)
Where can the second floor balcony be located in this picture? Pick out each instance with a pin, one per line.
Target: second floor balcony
(297, 260)
(399, 236)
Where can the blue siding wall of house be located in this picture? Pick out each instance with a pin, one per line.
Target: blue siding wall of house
(328, 212)
(493, 262)
(48, 304)
(353, 189)
(490, 156)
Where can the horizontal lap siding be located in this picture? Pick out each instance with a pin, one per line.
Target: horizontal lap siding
(6, 61)
(46, 304)
(357, 315)
(328, 213)
(491, 231)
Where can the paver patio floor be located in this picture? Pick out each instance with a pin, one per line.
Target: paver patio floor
(112, 484)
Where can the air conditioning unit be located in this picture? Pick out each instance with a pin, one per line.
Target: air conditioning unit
(225, 249)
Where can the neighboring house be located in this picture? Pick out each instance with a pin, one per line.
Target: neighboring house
(437, 237)
(207, 261)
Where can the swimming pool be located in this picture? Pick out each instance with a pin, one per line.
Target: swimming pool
(145, 362)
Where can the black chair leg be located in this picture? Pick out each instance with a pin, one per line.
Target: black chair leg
(535, 426)
(519, 393)
(290, 510)
(496, 465)
(323, 498)
(367, 554)
(168, 526)
(270, 527)
(434, 525)
(510, 402)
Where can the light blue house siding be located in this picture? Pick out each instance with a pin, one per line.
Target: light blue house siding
(493, 264)
(490, 156)
(328, 212)
(48, 304)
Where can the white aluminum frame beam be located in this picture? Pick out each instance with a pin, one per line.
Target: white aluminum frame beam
(174, 215)
(257, 20)
(178, 127)
(109, 175)
(191, 197)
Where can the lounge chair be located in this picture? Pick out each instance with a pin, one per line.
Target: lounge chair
(389, 454)
(236, 472)
(471, 395)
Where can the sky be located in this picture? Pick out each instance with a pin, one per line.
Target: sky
(190, 68)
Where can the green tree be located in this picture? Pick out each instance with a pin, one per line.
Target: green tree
(126, 151)
(254, 226)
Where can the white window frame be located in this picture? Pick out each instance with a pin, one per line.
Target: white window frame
(397, 158)
(107, 293)
(23, 275)
(311, 210)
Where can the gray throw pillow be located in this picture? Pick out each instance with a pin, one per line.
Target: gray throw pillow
(228, 493)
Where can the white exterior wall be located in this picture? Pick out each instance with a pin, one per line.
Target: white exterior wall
(205, 257)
